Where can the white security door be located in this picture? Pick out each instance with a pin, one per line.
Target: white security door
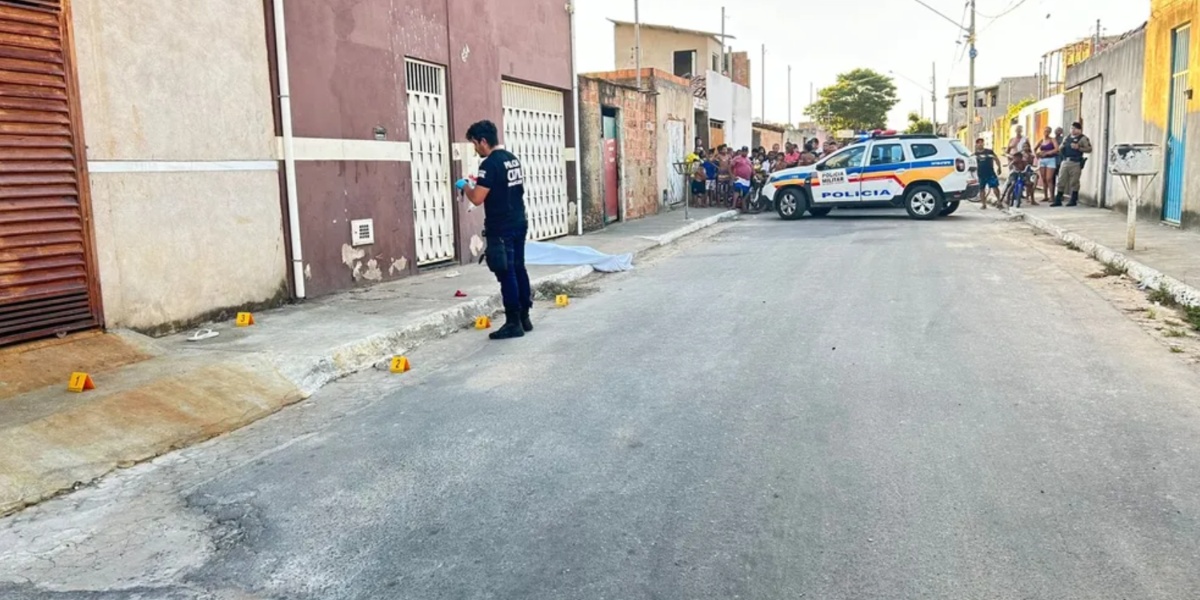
(534, 132)
(676, 153)
(433, 200)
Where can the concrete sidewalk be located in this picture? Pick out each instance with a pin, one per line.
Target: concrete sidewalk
(1165, 257)
(156, 395)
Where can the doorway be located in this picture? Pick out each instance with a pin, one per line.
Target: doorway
(611, 155)
(1110, 118)
(1176, 127)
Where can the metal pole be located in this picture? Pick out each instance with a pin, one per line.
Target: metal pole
(1131, 217)
(971, 79)
(789, 95)
(1096, 46)
(637, 44)
(575, 127)
(721, 68)
(933, 98)
(763, 85)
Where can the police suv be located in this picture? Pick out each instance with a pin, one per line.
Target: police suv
(926, 174)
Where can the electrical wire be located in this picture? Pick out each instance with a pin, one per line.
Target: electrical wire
(1011, 7)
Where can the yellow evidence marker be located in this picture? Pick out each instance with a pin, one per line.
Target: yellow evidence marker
(483, 322)
(561, 300)
(245, 319)
(400, 364)
(80, 382)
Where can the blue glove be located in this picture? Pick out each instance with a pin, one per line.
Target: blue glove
(461, 183)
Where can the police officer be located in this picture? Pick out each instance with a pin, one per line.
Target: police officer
(500, 188)
(1072, 151)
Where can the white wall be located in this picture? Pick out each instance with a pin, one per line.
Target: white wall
(1052, 105)
(720, 98)
(742, 132)
(732, 104)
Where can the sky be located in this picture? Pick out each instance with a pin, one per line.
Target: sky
(821, 38)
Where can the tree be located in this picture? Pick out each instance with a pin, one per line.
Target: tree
(860, 100)
(917, 124)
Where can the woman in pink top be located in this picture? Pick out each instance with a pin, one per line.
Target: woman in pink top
(743, 172)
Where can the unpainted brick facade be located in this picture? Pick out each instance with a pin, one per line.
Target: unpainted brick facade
(637, 174)
(740, 68)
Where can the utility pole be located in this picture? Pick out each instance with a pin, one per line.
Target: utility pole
(971, 78)
(1096, 44)
(763, 86)
(721, 69)
(933, 96)
(789, 95)
(637, 44)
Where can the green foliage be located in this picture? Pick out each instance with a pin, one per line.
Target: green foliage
(1016, 109)
(918, 125)
(1191, 314)
(860, 100)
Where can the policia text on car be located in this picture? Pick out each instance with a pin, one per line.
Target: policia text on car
(500, 188)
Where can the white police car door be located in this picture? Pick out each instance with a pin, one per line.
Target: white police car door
(837, 176)
(882, 177)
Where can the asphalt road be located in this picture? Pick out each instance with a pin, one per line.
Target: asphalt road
(857, 407)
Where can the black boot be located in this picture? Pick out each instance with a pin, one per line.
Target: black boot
(1074, 199)
(526, 323)
(512, 325)
(1057, 199)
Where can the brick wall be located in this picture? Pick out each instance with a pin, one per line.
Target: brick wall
(740, 67)
(637, 174)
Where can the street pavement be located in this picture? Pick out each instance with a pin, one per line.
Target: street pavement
(855, 407)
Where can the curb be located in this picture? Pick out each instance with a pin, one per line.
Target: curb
(1147, 276)
(40, 461)
(367, 353)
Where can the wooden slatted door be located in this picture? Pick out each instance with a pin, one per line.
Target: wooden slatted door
(47, 283)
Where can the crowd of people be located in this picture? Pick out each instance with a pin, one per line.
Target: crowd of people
(723, 176)
(1055, 162)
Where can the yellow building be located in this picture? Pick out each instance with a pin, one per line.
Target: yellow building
(1169, 106)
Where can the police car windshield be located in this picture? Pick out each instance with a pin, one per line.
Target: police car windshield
(850, 156)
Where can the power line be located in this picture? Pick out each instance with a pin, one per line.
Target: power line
(1011, 7)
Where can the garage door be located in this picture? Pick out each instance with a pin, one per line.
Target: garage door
(47, 285)
(534, 131)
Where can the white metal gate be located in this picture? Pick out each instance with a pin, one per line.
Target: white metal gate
(676, 153)
(533, 131)
(433, 201)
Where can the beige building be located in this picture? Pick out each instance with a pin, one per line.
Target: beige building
(682, 52)
(185, 192)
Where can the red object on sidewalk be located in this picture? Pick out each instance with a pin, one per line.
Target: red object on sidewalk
(459, 294)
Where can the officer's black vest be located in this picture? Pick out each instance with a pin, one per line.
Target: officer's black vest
(1073, 152)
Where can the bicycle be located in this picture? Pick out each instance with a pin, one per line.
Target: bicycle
(1018, 183)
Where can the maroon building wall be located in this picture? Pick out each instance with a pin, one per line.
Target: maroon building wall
(346, 60)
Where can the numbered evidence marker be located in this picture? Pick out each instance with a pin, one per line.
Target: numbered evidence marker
(245, 319)
(561, 300)
(482, 322)
(400, 364)
(80, 382)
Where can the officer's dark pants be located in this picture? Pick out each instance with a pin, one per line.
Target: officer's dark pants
(506, 258)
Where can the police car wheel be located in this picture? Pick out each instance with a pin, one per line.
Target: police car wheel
(819, 212)
(950, 208)
(923, 202)
(790, 204)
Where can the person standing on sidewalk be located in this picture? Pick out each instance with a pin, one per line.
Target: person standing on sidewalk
(989, 173)
(1074, 147)
(500, 188)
